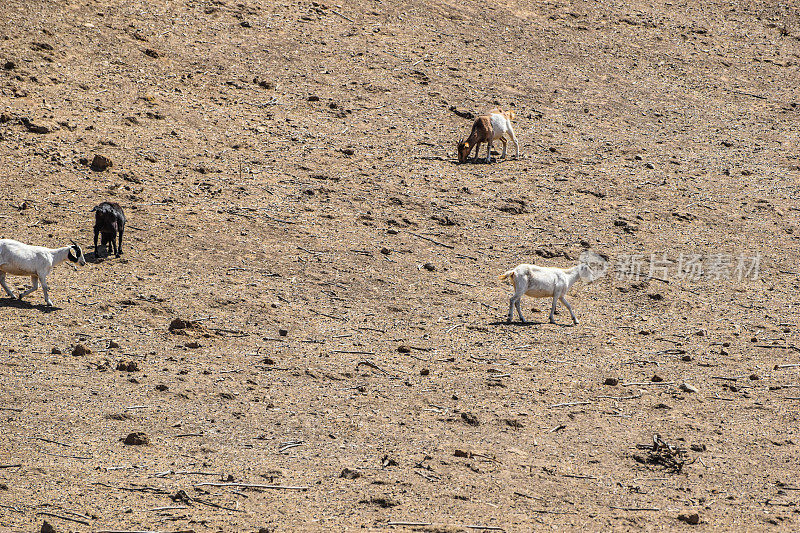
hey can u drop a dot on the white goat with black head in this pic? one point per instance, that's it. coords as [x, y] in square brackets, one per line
[20, 259]
[544, 282]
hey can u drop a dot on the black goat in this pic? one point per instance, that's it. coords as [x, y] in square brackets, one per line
[109, 221]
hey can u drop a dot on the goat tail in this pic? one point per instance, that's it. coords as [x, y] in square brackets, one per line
[507, 276]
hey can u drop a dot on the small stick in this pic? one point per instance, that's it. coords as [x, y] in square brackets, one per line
[290, 446]
[329, 316]
[576, 476]
[131, 407]
[167, 508]
[631, 384]
[345, 17]
[17, 509]
[635, 508]
[310, 251]
[787, 366]
[633, 397]
[372, 329]
[218, 506]
[84, 522]
[408, 524]
[251, 486]
[188, 435]
[67, 456]
[51, 441]
[19, 465]
[431, 240]
[728, 378]
[461, 283]
[372, 365]
[353, 351]
[568, 404]
[490, 528]
[557, 428]
[15, 409]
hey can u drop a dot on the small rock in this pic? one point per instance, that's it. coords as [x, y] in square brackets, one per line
[113, 344]
[47, 528]
[55, 351]
[193, 345]
[36, 127]
[470, 419]
[268, 361]
[10, 65]
[698, 447]
[347, 151]
[283, 332]
[656, 379]
[461, 453]
[685, 387]
[424, 372]
[613, 382]
[430, 267]
[162, 388]
[686, 358]
[151, 53]
[385, 251]
[179, 323]
[313, 98]
[754, 377]
[80, 350]
[388, 461]
[136, 439]
[180, 497]
[691, 519]
[392, 231]
[100, 163]
[349, 474]
[245, 24]
[403, 349]
[651, 166]
[128, 366]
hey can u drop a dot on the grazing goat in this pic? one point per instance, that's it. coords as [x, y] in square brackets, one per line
[487, 128]
[544, 282]
[20, 259]
[109, 221]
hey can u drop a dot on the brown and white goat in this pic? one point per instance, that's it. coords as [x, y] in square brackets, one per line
[486, 129]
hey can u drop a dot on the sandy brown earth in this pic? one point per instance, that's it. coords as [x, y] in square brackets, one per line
[288, 170]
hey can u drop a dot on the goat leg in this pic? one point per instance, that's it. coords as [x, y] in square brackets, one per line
[3, 283]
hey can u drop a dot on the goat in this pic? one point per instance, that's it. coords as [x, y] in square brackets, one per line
[20, 259]
[109, 221]
[544, 282]
[487, 128]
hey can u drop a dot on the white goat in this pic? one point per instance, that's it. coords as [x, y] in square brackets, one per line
[487, 128]
[20, 259]
[544, 282]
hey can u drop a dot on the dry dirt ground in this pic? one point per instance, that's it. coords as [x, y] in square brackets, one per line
[288, 170]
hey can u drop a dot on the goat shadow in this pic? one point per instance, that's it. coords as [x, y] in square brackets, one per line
[92, 257]
[528, 324]
[24, 304]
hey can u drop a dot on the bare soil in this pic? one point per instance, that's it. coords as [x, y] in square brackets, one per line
[289, 175]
